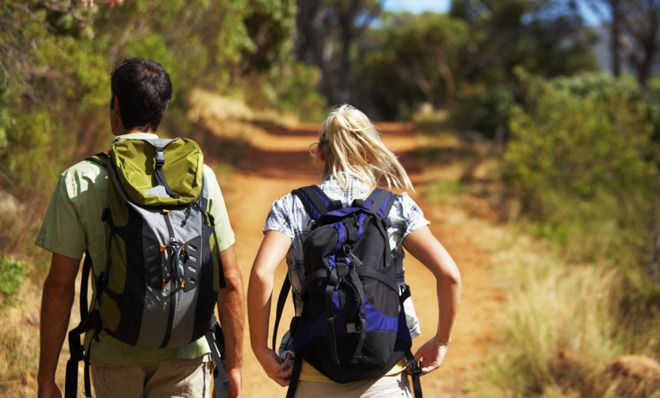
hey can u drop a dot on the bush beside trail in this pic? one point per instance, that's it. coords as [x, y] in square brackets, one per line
[582, 163]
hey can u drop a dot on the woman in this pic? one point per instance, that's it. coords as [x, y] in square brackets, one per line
[354, 161]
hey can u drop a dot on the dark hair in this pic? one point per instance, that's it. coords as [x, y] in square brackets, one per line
[143, 88]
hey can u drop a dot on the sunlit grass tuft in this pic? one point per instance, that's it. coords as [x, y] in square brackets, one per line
[562, 327]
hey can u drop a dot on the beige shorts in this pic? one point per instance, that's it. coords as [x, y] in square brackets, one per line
[395, 386]
[189, 378]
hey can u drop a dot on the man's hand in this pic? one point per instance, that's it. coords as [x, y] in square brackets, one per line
[234, 376]
[431, 355]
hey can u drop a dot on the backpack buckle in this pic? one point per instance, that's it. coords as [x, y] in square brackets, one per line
[160, 159]
[415, 367]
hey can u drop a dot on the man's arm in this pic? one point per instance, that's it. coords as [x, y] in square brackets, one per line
[56, 302]
[231, 313]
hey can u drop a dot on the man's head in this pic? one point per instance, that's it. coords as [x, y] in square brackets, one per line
[141, 90]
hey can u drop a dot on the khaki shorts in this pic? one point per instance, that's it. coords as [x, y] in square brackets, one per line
[395, 386]
[189, 378]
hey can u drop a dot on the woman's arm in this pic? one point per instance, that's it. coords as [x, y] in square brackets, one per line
[272, 251]
[426, 248]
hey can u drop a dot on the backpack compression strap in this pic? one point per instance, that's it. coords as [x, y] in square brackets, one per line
[159, 146]
[281, 300]
[415, 369]
[216, 340]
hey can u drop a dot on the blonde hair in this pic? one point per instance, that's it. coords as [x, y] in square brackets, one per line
[351, 144]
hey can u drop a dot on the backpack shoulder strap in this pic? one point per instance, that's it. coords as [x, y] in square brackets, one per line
[281, 301]
[99, 158]
[76, 348]
[316, 202]
[379, 202]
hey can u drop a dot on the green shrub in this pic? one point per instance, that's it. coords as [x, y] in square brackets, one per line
[486, 111]
[12, 275]
[581, 162]
[432, 123]
[295, 92]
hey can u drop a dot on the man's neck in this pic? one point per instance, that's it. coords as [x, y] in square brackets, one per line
[134, 131]
[139, 131]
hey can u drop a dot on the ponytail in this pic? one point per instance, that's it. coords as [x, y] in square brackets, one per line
[352, 145]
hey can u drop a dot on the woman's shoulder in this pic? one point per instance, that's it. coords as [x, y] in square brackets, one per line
[287, 201]
[403, 199]
[405, 208]
[287, 205]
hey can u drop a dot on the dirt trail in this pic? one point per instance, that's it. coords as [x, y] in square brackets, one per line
[276, 162]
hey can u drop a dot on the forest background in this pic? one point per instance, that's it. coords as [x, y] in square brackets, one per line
[567, 105]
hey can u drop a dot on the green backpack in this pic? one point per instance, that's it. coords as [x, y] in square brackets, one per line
[163, 271]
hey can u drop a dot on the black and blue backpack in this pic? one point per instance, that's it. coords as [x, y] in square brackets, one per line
[352, 326]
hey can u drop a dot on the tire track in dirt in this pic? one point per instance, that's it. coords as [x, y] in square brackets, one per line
[278, 161]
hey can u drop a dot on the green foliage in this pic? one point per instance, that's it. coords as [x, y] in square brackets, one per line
[295, 92]
[50, 78]
[482, 109]
[580, 162]
[56, 57]
[276, 79]
[546, 38]
[416, 57]
[443, 190]
[12, 275]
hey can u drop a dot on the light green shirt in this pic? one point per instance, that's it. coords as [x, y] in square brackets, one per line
[73, 224]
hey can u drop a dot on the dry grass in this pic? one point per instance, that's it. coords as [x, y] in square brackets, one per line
[19, 344]
[563, 326]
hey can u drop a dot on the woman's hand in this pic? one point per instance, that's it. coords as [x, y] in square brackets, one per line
[431, 355]
[276, 368]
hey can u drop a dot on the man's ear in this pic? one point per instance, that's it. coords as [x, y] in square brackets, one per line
[115, 105]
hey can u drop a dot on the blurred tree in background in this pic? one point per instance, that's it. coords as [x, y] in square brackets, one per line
[583, 163]
[546, 38]
[55, 59]
[408, 61]
[634, 30]
[328, 36]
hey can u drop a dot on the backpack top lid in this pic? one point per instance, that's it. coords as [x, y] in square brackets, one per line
[159, 172]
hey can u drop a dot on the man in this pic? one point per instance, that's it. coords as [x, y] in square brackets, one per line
[141, 90]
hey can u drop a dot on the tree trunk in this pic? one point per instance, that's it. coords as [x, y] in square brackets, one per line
[615, 37]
